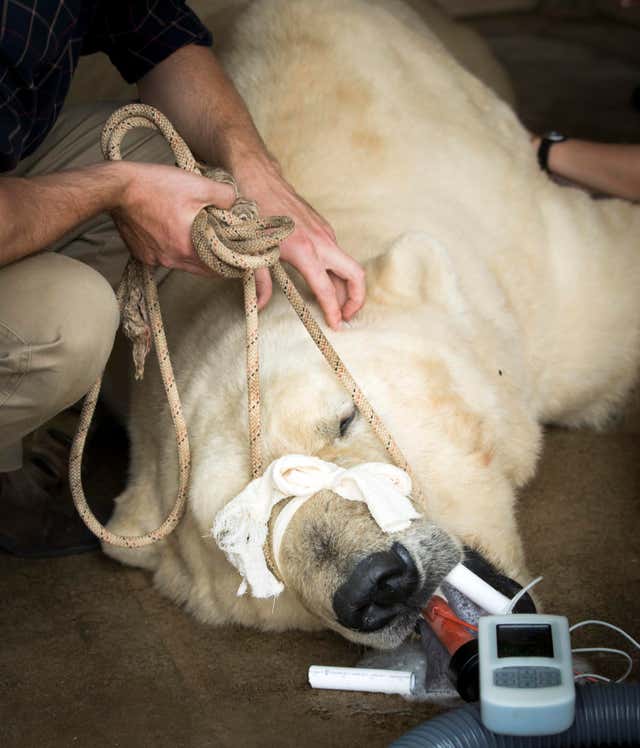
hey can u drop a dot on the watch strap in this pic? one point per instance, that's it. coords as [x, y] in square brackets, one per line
[546, 141]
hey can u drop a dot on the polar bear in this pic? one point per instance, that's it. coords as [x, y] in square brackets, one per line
[497, 302]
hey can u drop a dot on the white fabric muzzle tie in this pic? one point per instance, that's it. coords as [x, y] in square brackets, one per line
[241, 527]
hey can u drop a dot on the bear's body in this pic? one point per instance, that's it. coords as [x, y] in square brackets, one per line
[497, 300]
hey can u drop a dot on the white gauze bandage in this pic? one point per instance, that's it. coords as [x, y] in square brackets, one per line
[241, 528]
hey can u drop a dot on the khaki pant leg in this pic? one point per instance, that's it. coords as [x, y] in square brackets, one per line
[58, 320]
[56, 315]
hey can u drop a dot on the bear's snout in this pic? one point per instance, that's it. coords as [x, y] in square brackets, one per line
[377, 590]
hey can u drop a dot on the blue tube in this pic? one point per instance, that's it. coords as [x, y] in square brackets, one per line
[605, 715]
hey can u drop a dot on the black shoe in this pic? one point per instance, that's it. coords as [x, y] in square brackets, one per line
[37, 516]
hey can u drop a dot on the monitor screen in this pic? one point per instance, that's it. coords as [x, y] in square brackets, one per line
[524, 640]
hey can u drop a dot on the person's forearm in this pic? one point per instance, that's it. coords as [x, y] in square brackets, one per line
[38, 211]
[603, 167]
[193, 91]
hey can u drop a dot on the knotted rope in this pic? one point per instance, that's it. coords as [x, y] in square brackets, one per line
[234, 243]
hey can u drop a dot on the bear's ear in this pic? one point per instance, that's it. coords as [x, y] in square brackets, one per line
[417, 269]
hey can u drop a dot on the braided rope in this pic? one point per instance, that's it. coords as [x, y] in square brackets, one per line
[234, 243]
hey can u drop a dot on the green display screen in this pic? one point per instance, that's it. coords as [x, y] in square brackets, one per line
[524, 640]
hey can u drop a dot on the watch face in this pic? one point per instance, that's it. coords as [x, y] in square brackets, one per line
[555, 137]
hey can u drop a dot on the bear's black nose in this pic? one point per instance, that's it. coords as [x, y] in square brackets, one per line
[377, 590]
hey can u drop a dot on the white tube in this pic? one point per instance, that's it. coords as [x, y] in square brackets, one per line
[362, 679]
[478, 590]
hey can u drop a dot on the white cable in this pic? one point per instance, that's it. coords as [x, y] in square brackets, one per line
[520, 594]
[592, 621]
[624, 654]
[593, 675]
[595, 622]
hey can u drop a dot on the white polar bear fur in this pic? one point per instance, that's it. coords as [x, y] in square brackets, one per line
[509, 301]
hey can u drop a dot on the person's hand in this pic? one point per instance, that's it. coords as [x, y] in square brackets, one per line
[334, 277]
[156, 210]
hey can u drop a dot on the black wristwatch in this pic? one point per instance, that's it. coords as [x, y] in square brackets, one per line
[546, 141]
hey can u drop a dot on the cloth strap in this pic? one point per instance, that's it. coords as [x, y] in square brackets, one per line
[241, 527]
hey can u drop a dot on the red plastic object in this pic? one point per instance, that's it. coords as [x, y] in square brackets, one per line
[450, 630]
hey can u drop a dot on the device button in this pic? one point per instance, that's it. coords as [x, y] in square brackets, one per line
[547, 676]
[506, 677]
[526, 677]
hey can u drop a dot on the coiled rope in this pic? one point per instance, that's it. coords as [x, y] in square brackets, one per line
[234, 243]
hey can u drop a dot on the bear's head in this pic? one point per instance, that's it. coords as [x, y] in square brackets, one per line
[444, 377]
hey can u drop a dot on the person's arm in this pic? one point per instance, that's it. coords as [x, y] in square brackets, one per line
[36, 212]
[192, 90]
[610, 168]
[152, 205]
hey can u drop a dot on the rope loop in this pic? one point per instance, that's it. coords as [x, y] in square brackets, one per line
[132, 116]
[234, 243]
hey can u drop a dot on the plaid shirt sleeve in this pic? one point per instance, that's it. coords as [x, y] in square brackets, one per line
[11, 117]
[40, 41]
[138, 34]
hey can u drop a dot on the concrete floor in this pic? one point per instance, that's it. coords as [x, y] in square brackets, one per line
[91, 655]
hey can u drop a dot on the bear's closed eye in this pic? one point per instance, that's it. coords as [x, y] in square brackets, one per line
[346, 422]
